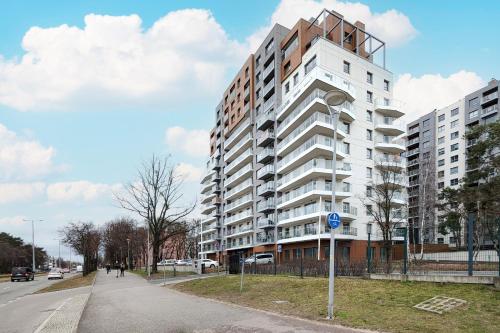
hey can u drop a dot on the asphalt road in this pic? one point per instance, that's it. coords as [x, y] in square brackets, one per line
[20, 311]
[130, 304]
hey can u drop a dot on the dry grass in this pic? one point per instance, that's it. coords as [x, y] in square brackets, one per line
[379, 305]
[73, 282]
[159, 274]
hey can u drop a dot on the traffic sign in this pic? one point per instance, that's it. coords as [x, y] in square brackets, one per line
[280, 248]
[333, 220]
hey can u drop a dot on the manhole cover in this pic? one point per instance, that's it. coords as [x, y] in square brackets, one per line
[440, 304]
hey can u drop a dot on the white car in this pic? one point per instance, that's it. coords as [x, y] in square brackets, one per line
[55, 274]
[167, 262]
[262, 258]
[209, 263]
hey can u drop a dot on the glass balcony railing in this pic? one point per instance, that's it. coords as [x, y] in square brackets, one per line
[233, 150]
[313, 186]
[266, 187]
[240, 216]
[242, 127]
[238, 160]
[319, 117]
[234, 231]
[238, 174]
[315, 163]
[238, 188]
[266, 204]
[315, 208]
[246, 198]
[269, 168]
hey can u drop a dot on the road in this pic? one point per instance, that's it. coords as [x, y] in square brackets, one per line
[130, 304]
[20, 311]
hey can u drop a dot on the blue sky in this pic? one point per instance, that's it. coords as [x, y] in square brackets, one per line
[96, 134]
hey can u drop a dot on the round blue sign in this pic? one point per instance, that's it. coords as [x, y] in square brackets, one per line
[334, 220]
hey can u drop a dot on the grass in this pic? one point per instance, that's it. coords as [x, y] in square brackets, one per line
[159, 274]
[73, 282]
[370, 304]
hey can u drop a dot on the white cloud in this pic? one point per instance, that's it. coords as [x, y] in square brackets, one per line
[423, 94]
[79, 191]
[14, 192]
[192, 142]
[391, 26]
[189, 172]
[12, 220]
[23, 158]
[113, 60]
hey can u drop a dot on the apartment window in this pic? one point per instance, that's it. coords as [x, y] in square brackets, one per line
[287, 87]
[454, 182]
[441, 117]
[310, 65]
[296, 79]
[287, 66]
[369, 77]
[369, 97]
[347, 128]
[426, 134]
[453, 170]
[427, 154]
[347, 37]
[257, 78]
[369, 172]
[454, 112]
[441, 129]
[441, 151]
[369, 135]
[386, 85]
[440, 162]
[369, 153]
[257, 94]
[454, 135]
[441, 140]
[440, 185]
[454, 123]
[426, 123]
[454, 147]
[347, 147]
[369, 209]
[347, 67]
[425, 144]
[441, 174]
[454, 159]
[369, 116]
[473, 114]
[257, 61]
[474, 103]
[369, 191]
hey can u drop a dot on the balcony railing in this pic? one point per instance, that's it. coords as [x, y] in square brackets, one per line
[268, 69]
[266, 204]
[413, 130]
[489, 97]
[313, 230]
[265, 117]
[245, 214]
[238, 160]
[313, 186]
[238, 174]
[233, 150]
[265, 170]
[319, 117]
[311, 164]
[412, 141]
[267, 152]
[246, 198]
[234, 231]
[267, 135]
[266, 187]
[315, 208]
[243, 126]
[265, 222]
[262, 238]
[238, 188]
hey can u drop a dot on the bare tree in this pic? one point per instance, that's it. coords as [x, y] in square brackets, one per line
[382, 202]
[155, 197]
[118, 238]
[85, 239]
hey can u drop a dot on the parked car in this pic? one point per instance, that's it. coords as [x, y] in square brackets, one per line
[209, 263]
[65, 270]
[22, 273]
[55, 273]
[260, 258]
[166, 262]
[184, 262]
[79, 268]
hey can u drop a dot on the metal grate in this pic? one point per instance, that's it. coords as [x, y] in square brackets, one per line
[440, 304]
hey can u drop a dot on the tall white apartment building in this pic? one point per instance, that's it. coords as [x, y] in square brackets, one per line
[274, 182]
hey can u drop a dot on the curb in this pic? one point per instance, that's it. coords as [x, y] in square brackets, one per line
[270, 313]
[75, 329]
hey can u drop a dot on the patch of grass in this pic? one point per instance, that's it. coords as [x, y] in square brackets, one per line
[73, 282]
[159, 274]
[371, 304]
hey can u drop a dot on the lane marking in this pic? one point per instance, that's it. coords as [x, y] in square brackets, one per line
[42, 326]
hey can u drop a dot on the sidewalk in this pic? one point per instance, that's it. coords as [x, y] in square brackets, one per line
[130, 304]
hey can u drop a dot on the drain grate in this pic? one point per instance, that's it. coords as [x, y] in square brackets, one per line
[440, 304]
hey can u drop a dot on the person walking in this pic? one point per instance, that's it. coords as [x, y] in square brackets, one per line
[108, 268]
[122, 270]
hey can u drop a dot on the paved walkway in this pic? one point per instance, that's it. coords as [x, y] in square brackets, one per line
[130, 304]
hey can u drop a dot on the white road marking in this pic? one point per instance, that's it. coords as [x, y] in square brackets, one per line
[40, 328]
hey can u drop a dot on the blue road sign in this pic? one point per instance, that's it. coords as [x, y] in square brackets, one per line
[279, 248]
[334, 220]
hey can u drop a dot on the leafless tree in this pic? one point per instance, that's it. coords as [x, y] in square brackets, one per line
[118, 238]
[155, 197]
[85, 239]
[381, 203]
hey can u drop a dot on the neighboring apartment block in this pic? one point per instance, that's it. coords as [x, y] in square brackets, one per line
[436, 156]
[269, 177]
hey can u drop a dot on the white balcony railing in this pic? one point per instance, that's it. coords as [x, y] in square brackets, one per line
[312, 164]
[240, 143]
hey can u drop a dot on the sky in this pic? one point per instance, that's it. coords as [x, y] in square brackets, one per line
[91, 89]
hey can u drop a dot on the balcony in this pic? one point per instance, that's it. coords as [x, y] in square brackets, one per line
[208, 178]
[268, 70]
[243, 159]
[265, 155]
[262, 238]
[489, 110]
[412, 152]
[207, 188]
[240, 217]
[265, 222]
[306, 233]
[207, 198]
[242, 202]
[390, 144]
[237, 134]
[269, 88]
[390, 108]
[239, 245]
[242, 188]
[412, 141]
[266, 205]
[267, 171]
[239, 231]
[313, 212]
[246, 93]
[239, 176]
[243, 144]
[266, 189]
[206, 209]
[398, 199]
[265, 138]
[265, 121]
[389, 126]
[489, 98]
[313, 191]
[394, 162]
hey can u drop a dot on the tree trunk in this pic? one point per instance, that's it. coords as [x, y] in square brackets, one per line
[156, 253]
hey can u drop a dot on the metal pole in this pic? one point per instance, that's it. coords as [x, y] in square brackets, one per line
[331, 282]
[242, 273]
[147, 264]
[470, 226]
[405, 253]
[70, 259]
[369, 252]
[33, 243]
[59, 259]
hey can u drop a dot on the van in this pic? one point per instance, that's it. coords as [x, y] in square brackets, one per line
[261, 258]
[79, 268]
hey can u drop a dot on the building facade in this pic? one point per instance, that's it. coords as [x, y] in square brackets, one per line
[437, 157]
[269, 177]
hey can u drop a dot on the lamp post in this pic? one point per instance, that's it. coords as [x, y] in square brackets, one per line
[369, 232]
[33, 240]
[333, 98]
[128, 253]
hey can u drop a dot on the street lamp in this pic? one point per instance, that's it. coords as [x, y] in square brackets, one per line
[33, 240]
[369, 232]
[128, 253]
[333, 98]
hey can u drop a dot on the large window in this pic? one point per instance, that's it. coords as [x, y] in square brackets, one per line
[474, 103]
[290, 46]
[454, 135]
[441, 129]
[310, 65]
[454, 147]
[441, 151]
[454, 112]
[454, 159]
[441, 140]
[454, 182]
[454, 123]
[441, 117]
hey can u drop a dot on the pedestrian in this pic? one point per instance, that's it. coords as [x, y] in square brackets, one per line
[108, 268]
[122, 270]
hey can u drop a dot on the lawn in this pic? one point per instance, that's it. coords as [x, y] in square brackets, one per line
[73, 282]
[371, 304]
[159, 275]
